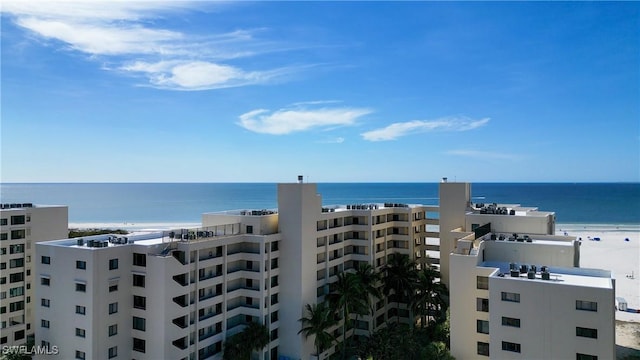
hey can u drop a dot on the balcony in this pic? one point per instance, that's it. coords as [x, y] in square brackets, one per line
[181, 343]
[181, 322]
[180, 256]
[182, 279]
[181, 300]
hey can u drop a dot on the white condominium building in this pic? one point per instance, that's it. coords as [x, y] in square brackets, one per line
[516, 291]
[180, 294]
[21, 225]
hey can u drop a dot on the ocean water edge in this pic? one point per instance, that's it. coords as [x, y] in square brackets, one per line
[609, 206]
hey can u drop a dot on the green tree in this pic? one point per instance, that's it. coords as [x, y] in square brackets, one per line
[318, 319]
[254, 337]
[431, 297]
[345, 299]
[368, 278]
[400, 278]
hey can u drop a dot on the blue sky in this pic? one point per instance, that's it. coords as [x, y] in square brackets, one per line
[338, 91]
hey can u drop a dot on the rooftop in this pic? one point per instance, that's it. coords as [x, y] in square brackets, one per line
[551, 274]
[147, 239]
[507, 209]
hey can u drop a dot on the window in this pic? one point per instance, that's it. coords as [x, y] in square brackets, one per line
[113, 329]
[274, 246]
[274, 263]
[587, 332]
[16, 291]
[274, 299]
[113, 308]
[18, 220]
[512, 297]
[4, 236]
[18, 234]
[274, 316]
[507, 321]
[113, 287]
[18, 335]
[483, 348]
[585, 357]
[586, 305]
[81, 287]
[82, 265]
[45, 323]
[482, 326]
[45, 281]
[3, 310]
[138, 280]
[139, 302]
[113, 352]
[274, 281]
[139, 259]
[482, 282]
[80, 332]
[16, 306]
[45, 302]
[139, 323]
[113, 264]
[509, 346]
[17, 277]
[249, 229]
[80, 355]
[16, 263]
[139, 345]
[80, 310]
[3, 222]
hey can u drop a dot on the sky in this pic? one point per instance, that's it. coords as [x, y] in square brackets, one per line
[336, 91]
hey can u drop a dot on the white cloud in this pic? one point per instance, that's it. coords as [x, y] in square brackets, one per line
[396, 130]
[123, 34]
[338, 140]
[480, 154]
[299, 118]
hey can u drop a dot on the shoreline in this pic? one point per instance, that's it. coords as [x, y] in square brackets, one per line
[137, 226]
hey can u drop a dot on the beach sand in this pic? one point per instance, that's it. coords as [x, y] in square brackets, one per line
[622, 257]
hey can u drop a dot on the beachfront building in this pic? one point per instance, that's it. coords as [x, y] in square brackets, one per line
[21, 225]
[180, 294]
[516, 290]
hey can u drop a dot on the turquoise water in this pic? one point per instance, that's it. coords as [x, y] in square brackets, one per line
[581, 203]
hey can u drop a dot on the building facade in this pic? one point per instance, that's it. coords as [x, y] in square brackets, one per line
[180, 294]
[517, 291]
[21, 226]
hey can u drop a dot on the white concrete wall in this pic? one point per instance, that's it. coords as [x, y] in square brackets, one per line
[299, 209]
[463, 293]
[526, 224]
[455, 198]
[548, 318]
[41, 223]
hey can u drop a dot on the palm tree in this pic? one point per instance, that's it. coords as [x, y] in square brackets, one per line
[400, 277]
[319, 319]
[346, 298]
[430, 296]
[368, 278]
[254, 337]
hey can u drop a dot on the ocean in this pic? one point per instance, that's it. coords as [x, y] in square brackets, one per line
[173, 203]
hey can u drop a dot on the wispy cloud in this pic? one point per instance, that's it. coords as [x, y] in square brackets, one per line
[299, 118]
[399, 129]
[123, 34]
[337, 140]
[480, 154]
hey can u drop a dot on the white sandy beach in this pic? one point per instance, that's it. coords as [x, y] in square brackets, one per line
[622, 257]
[613, 253]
